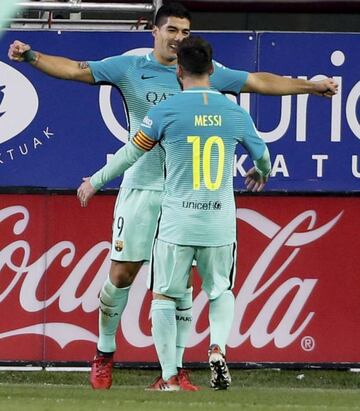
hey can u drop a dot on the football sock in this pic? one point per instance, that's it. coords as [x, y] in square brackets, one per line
[221, 315]
[112, 303]
[164, 335]
[183, 324]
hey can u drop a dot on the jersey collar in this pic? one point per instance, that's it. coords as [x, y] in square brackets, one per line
[201, 90]
[151, 57]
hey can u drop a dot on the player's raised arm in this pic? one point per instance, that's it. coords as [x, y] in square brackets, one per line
[272, 84]
[55, 66]
[233, 81]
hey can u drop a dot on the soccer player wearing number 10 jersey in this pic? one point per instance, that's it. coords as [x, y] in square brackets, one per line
[198, 130]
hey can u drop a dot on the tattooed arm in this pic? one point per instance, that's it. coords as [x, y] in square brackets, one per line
[55, 66]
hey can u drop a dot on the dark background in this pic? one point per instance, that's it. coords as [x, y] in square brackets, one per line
[277, 15]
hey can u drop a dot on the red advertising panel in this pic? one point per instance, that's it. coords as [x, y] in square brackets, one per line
[297, 286]
[22, 245]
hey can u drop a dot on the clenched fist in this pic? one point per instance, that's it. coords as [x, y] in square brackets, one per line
[17, 50]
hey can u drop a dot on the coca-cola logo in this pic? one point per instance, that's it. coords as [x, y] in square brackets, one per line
[28, 273]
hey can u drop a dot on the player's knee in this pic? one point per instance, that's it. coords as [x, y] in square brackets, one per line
[216, 294]
[176, 291]
[123, 274]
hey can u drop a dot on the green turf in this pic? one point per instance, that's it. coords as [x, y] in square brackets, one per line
[251, 390]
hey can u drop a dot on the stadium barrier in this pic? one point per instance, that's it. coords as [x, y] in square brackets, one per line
[296, 283]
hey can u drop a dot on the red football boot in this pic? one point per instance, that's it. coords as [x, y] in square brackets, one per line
[101, 372]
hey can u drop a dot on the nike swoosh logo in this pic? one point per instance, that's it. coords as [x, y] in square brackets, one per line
[143, 77]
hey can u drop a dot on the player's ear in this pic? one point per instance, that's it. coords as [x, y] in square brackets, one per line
[211, 69]
[154, 31]
[179, 71]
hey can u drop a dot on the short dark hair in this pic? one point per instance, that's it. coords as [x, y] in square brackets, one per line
[171, 10]
[195, 55]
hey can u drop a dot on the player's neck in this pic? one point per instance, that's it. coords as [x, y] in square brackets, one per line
[163, 60]
[191, 82]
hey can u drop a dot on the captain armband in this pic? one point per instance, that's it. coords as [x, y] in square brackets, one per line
[142, 141]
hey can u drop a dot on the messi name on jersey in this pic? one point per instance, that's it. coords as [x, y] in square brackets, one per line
[207, 120]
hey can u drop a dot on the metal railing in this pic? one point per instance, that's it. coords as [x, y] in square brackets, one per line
[78, 6]
[77, 14]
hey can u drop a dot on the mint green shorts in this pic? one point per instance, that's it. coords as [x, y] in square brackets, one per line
[135, 221]
[170, 266]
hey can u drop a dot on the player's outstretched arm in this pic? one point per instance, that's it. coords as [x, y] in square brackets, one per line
[122, 160]
[272, 84]
[55, 66]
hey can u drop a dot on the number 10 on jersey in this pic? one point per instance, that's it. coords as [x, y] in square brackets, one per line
[204, 158]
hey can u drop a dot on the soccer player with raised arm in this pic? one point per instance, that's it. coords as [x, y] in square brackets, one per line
[137, 206]
[198, 130]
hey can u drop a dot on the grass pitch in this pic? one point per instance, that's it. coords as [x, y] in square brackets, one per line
[251, 390]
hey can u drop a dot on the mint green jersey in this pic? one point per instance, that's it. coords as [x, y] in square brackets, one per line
[144, 83]
[198, 130]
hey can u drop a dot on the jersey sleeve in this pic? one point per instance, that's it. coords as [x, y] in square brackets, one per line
[124, 158]
[150, 130]
[255, 146]
[110, 70]
[144, 140]
[153, 123]
[228, 80]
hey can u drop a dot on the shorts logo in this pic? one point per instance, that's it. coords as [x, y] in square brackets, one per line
[18, 102]
[119, 245]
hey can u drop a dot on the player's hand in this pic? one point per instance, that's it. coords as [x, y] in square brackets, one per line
[17, 49]
[85, 191]
[325, 88]
[254, 181]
